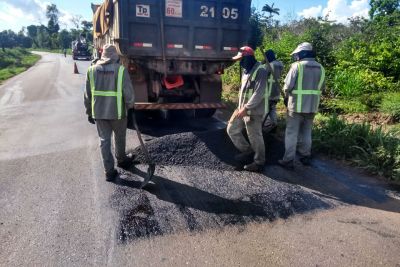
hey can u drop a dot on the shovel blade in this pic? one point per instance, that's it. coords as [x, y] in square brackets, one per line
[150, 173]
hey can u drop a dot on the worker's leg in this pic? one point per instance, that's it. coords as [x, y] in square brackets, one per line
[104, 130]
[254, 132]
[273, 116]
[119, 128]
[235, 132]
[305, 136]
[293, 122]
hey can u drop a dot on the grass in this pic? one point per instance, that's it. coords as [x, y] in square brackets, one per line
[391, 105]
[375, 150]
[14, 61]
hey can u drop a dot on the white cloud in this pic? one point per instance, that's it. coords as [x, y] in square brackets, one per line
[311, 12]
[338, 10]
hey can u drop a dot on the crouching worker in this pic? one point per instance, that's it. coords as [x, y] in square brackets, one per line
[108, 96]
[303, 87]
[253, 105]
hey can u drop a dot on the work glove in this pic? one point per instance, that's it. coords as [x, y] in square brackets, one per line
[91, 120]
[285, 101]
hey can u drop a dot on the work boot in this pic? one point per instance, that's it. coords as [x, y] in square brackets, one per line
[286, 164]
[306, 161]
[254, 167]
[245, 158]
[127, 163]
[111, 175]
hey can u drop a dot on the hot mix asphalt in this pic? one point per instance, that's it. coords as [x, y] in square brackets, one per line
[196, 188]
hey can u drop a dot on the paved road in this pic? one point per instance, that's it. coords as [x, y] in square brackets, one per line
[57, 210]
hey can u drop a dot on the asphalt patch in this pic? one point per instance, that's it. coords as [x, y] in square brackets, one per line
[156, 210]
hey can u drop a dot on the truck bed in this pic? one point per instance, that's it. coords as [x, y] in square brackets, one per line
[211, 30]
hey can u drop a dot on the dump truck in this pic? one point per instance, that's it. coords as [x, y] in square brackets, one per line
[80, 49]
[175, 50]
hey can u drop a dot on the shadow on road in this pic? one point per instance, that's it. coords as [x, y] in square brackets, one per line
[200, 209]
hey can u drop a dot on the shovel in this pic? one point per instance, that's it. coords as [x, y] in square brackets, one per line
[152, 166]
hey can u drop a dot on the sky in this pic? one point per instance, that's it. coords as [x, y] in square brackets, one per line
[14, 14]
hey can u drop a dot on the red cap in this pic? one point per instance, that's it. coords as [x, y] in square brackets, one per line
[244, 51]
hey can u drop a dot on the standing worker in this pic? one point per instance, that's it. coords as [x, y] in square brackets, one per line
[253, 104]
[108, 96]
[303, 87]
[274, 88]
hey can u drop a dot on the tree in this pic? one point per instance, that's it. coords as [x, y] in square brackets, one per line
[271, 10]
[52, 14]
[87, 30]
[64, 39]
[268, 21]
[8, 39]
[383, 7]
[76, 20]
[256, 32]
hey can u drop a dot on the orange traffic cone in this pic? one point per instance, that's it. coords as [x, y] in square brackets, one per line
[76, 68]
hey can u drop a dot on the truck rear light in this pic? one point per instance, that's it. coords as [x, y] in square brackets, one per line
[177, 46]
[203, 47]
[173, 81]
[227, 48]
[146, 45]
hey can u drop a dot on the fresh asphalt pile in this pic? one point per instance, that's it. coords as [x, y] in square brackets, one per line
[211, 150]
[208, 149]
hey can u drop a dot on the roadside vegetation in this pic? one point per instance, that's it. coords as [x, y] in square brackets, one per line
[14, 47]
[361, 104]
[15, 61]
[50, 37]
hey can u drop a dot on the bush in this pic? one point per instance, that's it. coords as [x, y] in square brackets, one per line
[391, 105]
[353, 82]
[343, 106]
[373, 149]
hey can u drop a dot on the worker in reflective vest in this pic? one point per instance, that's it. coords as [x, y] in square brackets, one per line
[108, 96]
[303, 87]
[253, 104]
[274, 88]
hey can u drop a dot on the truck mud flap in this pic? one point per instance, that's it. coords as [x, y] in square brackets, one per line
[172, 106]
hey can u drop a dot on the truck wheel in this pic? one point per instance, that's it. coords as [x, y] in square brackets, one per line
[205, 113]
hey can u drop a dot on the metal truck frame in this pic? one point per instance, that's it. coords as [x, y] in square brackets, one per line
[175, 50]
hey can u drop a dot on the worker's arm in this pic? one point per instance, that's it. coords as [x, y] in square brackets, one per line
[88, 96]
[259, 89]
[290, 80]
[129, 94]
